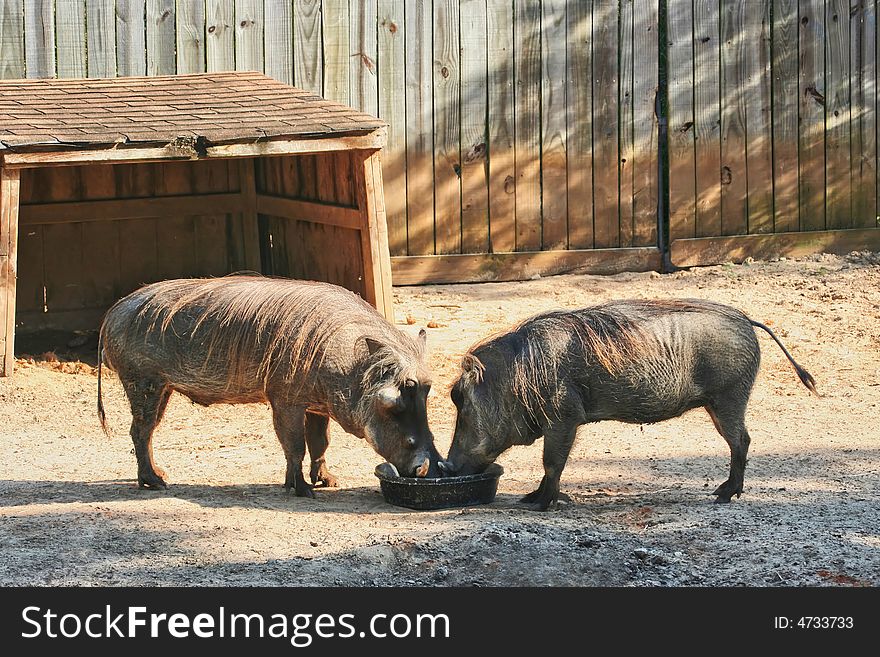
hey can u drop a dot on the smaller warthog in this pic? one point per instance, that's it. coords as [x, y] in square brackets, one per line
[633, 361]
[312, 350]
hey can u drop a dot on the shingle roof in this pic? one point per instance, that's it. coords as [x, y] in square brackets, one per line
[219, 107]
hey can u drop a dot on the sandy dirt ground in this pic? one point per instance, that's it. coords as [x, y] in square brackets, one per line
[641, 511]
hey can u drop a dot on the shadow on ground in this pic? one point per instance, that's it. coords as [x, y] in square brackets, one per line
[52, 345]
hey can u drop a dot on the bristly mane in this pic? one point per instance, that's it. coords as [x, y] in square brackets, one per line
[288, 323]
[604, 333]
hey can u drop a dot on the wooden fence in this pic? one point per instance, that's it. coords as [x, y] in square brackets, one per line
[515, 125]
[772, 124]
[523, 136]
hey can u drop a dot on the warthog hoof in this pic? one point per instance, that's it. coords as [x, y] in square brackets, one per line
[152, 480]
[542, 499]
[300, 488]
[726, 491]
[321, 474]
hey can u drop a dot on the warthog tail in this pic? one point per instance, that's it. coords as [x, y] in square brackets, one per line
[805, 377]
[101, 415]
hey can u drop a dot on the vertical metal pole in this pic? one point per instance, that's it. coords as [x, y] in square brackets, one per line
[661, 103]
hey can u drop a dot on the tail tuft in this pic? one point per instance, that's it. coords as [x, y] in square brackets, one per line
[807, 379]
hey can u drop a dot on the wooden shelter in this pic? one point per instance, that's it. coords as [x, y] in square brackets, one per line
[107, 184]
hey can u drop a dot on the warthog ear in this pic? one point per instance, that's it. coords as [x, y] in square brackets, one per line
[423, 337]
[373, 345]
[389, 398]
[473, 368]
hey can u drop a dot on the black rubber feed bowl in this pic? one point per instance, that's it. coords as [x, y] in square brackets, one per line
[447, 492]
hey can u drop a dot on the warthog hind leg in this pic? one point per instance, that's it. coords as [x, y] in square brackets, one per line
[730, 422]
[289, 424]
[148, 399]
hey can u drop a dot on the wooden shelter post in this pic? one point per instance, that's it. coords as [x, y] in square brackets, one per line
[374, 235]
[9, 193]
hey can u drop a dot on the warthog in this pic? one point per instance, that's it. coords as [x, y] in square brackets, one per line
[312, 350]
[632, 361]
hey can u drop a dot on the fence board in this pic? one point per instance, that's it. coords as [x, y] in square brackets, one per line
[39, 38]
[308, 59]
[337, 64]
[707, 117]
[12, 37]
[837, 115]
[70, 38]
[554, 133]
[419, 128]
[682, 174]
[220, 35]
[606, 124]
[645, 132]
[278, 37]
[756, 91]
[474, 180]
[863, 164]
[877, 112]
[190, 36]
[130, 37]
[249, 35]
[527, 121]
[734, 92]
[160, 37]
[625, 128]
[364, 93]
[811, 137]
[392, 109]
[579, 123]
[447, 128]
[101, 33]
[500, 108]
[785, 115]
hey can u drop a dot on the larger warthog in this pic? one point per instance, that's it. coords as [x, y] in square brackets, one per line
[632, 361]
[312, 350]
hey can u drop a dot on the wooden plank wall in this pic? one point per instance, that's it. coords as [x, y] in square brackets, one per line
[67, 269]
[300, 249]
[772, 114]
[515, 125]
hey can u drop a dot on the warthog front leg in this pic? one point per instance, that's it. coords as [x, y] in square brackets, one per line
[557, 447]
[317, 440]
[289, 424]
